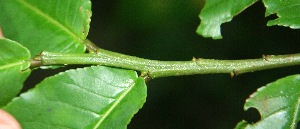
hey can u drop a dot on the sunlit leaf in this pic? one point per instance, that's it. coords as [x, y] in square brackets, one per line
[216, 12]
[93, 97]
[51, 25]
[288, 12]
[14, 69]
[278, 104]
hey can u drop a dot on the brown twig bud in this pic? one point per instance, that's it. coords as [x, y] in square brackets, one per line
[1, 34]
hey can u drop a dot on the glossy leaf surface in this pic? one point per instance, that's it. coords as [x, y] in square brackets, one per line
[14, 69]
[92, 97]
[278, 104]
[52, 25]
[216, 12]
[288, 12]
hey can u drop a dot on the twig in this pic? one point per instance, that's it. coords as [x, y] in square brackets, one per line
[156, 69]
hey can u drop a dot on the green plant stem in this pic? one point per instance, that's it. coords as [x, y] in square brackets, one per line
[156, 69]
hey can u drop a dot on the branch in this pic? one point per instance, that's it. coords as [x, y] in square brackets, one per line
[156, 69]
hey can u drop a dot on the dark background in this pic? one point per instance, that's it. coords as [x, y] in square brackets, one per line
[165, 30]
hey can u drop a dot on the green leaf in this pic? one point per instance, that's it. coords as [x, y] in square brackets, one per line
[14, 69]
[216, 12]
[92, 97]
[51, 25]
[288, 12]
[278, 104]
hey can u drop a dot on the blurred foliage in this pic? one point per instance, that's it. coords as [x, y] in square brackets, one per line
[165, 30]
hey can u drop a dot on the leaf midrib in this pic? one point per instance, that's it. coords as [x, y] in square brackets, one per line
[295, 114]
[115, 104]
[50, 19]
[12, 65]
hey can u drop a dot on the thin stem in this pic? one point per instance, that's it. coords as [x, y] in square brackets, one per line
[91, 47]
[156, 69]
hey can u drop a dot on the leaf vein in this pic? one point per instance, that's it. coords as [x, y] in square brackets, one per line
[72, 106]
[12, 65]
[121, 97]
[86, 90]
[49, 18]
[104, 81]
[295, 114]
